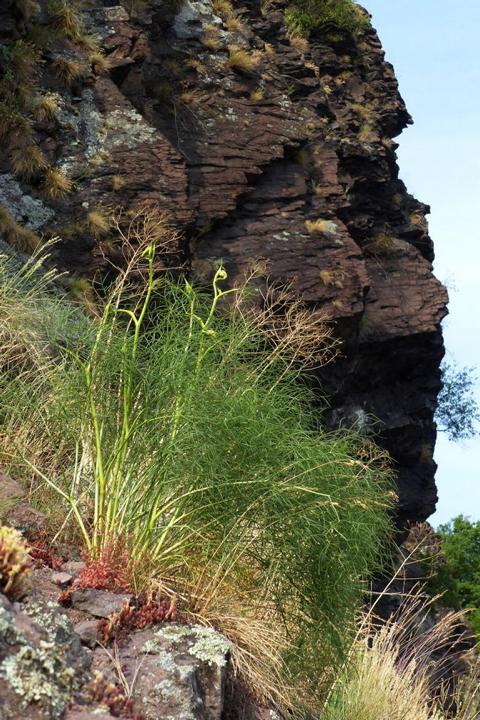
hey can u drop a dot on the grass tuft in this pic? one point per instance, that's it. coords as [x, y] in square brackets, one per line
[100, 62]
[66, 19]
[401, 670]
[15, 235]
[27, 161]
[98, 223]
[56, 184]
[47, 106]
[14, 563]
[68, 70]
[241, 60]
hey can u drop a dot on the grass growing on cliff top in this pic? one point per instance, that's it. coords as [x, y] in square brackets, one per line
[331, 18]
[173, 428]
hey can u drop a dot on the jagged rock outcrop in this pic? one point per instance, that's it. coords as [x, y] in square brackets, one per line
[285, 160]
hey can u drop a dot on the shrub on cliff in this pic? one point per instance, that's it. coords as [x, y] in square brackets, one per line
[332, 18]
[457, 577]
[173, 427]
[458, 412]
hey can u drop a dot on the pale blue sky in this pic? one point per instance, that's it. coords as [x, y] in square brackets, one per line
[434, 47]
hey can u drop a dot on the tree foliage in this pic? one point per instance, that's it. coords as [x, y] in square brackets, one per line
[458, 577]
[457, 409]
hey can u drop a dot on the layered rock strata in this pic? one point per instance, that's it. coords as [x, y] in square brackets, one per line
[263, 149]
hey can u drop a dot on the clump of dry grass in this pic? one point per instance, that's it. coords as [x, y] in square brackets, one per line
[56, 184]
[401, 669]
[381, 244]
[257, 94]
[98, 223]
[27, 161]
[241, 60]
[66, 18]
[47, 106]
[196, 65]
[222, 7]
[295, 331]
[210, 39]
[320, 227]
[234, 22]
[100, 62]
[16, 235]
[24, 61]
[118, 182]
[68, 70]
[192, 97]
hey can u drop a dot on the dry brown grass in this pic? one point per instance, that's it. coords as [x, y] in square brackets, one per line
[320, 226]
[56, 184]
[193, 96]
[234, 22]
[210, 40]
[15, 235]
[296, 332]
[47, 106]
[401, 669]
[27, 161]
[257, 94]
[299, 43]
[241, 60]
[118, 182]
[98, 223]
[196, 65]
[222, 7]
[67, 19]
[14, 563]
[100, 62]
[68, 70]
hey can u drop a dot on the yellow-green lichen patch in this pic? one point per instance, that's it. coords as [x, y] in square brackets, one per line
[38, 674]
[205, 644]
[40, 662]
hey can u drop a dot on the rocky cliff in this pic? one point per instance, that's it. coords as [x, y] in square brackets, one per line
[263, 148]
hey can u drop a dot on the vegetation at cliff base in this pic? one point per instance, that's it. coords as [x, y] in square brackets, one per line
[457, 577]
[333, 18]
[171, 432]
[400, 670]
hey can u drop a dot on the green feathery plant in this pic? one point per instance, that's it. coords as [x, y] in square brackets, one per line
[332, 18]
[171, 427]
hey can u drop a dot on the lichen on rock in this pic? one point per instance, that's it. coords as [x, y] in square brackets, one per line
[41, 661]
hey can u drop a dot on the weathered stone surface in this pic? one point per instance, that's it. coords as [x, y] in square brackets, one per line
[42, 663]
[97, 712]
[10, 492]
[100, 603]
[73, 567]
[87, 631]
[182, 671]
[62, 579]
[27, 519]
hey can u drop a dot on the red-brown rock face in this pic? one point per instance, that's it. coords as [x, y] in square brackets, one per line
[290, 163]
